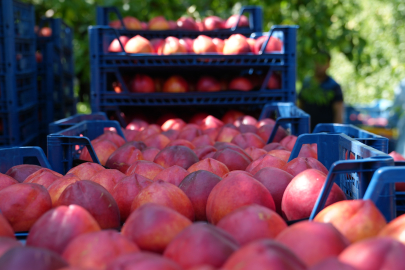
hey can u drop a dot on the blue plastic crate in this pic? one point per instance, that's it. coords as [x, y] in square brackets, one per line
[107, 68]
[361, 135]
[64, 146]
[73, 120]
[255, 23]
[14, 156]
[351, 175]
[18, 89]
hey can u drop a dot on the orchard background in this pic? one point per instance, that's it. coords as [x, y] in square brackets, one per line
[366, 37]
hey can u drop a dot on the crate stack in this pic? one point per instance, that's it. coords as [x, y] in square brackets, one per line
[55, 73]
[18, 74]
[109, 69]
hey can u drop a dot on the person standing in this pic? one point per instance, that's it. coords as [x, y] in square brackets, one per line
[321, 96]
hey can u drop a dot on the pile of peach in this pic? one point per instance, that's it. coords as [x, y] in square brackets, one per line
[205, 195]
[209, 23]
[235, 44]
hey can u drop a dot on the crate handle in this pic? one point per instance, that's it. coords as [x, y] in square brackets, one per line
[249, 9]
[272, 30]
[26, 151]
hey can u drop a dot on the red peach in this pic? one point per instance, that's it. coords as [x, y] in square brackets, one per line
[171, 134]
[113, 137]
[157, 44]
[255, 152]
[159, 141]
[212, 23]
[21, 172]
[176, 124]
[307, 151]
[6, 181]
[332, 263]
[248, 139]
[289, 142]
[182, 142]
[187, 43]
[143, 261]
[115, 44]
[233, 20]
[158, 23]
[142, 83]
[150, 153]
[202, 140]
[57, 187]
[247, 128]
[265, 131]
[186, 23]
[103, 149]
[148, 132]
[265, 161]
[7, 243]
[211, 122]
[300, 164]
[108, 178]
[274, 44]
[189, 132]
[241, 84]
[211, 165]
[237, 172]
[231, 116]
[5, 228]
[204, 44]
[172, 45]
[44, 177]
[145, 168]
[274, 146]
[245, 120]
[138, 44]
[137, 124]
[176, 155]
[198, 118]
[232, 159]
[219, 44]
[208, 84]
[175, 84]
[226, 134]
[132, 23]
[173, 175]
[86, 170]
[236, 44]
[123, 157]
[204, 152]
[281, 154]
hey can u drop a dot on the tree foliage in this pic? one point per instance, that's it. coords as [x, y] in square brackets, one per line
[366, 37]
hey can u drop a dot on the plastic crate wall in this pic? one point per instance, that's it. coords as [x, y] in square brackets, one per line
[18, 75]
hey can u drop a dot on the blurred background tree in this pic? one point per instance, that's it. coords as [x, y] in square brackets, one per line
[366, 37]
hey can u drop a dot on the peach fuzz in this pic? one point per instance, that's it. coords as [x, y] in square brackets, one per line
[108, 178]
[232, 159]
[150, 153]
[265, 161]
[176, 155]
[211, 165]
[123, 157]
[86, 170]
[57, 187]
[173, 175]
[145, 168]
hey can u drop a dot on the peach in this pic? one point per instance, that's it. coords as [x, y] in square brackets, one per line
[241, 84]
[157, 44]
[202, 140]
[374, 254]
[152, 227]
[219, 44]
[32, 259]
[300, 164]
[173, 175]
[137, 124]
[247, 128]
[132, 23]
[237, 172]
[231, 116]
[5, 228]
[108, 178]
[281, 154]
[171, 134]
[197, 186]
[265, 161]
[141, 83]
[265, 131]
[313, 242]
[95, 199]
[6, 181]
[126, 190]
[143, 261]
[166, 194]
[182, 142]
[204, 44]
[86, 170]
[396, 156]
[252, 222]
[158, 23]
[201, 243]
[248, 139]
[274, 44]
[6, 243]
[175, 84]
[21, 172]
[232, 159]
[57, 187]
[289, 142]
[131, 135]
[113, 137]
[274, 81]
[233, 20]
[225, 145]
[176, 155]
[96, 250]
[115, 44]
[148, 132]
[186, 23]
[203, 267]
[204, 152]
[43, 177]
[102, 148]
[211, 132]
[355, 219]
[307, 151]
[236, 44]
[138, 44]
[263, 254]
[394, 229]
[172, 45]
[245, 120]
[159, 141]
[150, 153]
[332, 263]
[211, 165]
[57, 227]
[169, 116]
[22, 204]
[123, 157]
[226, 134]
[234, 192]
[276, 181]
[176, 124]
[265, 121]
[145, 168]
[211, 122]
[198, 118]
[212, 23]
[302, 192]
[187, 43]
[251, 43]
[274, 146]
[190, 132]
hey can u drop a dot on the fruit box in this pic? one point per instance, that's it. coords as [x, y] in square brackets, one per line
[255, 22]
[55, 72]
[64, 146]
[351, 166]
[108, 69]
[377, 142]
[73, 120]
[18, 75]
